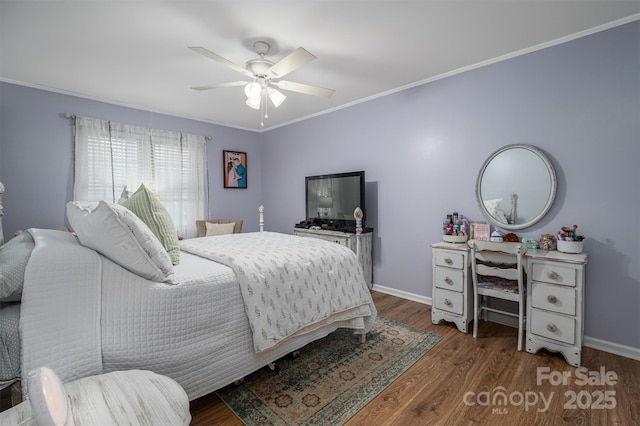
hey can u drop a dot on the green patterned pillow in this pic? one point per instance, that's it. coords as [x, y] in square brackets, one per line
[151, 211]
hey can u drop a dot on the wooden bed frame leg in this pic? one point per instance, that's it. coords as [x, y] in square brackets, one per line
[274, 367]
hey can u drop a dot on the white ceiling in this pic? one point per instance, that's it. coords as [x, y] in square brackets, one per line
[134, 53]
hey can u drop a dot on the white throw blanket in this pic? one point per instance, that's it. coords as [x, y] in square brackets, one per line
[290, 285]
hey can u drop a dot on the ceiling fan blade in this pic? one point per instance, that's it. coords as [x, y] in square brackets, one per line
[304, 88]
[216, 57]
[291, 62]
[220, 85]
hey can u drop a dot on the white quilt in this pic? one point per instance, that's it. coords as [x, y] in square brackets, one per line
[289, 284]
[60, 318]
[82, 314]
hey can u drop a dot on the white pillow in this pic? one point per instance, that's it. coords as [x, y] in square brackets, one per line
[81, 207]
[219, 228]
[501, 217]
[493, 206]
[152, 212]
[117, 233]
[124, 195]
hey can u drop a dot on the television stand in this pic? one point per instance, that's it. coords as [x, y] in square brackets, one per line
[347, 239]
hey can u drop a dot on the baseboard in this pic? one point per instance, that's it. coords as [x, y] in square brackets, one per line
[614, 348]
[402, 294]
[591, 342]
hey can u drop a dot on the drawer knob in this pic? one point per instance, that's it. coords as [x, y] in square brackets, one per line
[552, 299]
[448, 280]
[448, 302]
[552, 328]
[448, 261]
[553, 275]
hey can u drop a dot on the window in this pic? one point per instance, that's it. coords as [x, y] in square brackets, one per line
[110, 156]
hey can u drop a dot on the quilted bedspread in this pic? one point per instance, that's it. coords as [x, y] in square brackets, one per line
[290, 285]
[60, 317]
[83, 314]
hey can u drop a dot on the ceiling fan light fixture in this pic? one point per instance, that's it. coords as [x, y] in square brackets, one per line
[261, 71]
[276, 96]
[253, 90]
[253, 102]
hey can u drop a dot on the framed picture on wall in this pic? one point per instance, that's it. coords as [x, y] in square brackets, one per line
[235, 169]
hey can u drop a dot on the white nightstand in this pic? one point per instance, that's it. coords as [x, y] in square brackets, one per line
[347, 239]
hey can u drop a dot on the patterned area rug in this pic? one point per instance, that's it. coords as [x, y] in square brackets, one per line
[331, 379]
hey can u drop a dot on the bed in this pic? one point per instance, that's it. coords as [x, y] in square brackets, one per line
[9, 343]
[234, 304]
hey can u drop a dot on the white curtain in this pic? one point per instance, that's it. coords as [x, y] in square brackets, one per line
[172, 164]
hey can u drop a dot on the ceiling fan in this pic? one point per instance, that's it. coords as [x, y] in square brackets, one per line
[265, 76]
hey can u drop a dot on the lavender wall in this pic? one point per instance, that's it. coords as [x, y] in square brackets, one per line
[36, 165]
[422, 149]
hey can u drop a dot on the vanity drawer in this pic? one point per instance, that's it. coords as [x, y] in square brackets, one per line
[449, 279]
[553, 298]
[450, 301]
[553, 273]
[553, 326]
[449, 259]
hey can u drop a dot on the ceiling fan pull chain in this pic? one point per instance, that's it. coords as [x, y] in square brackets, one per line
[265, 100]
[262, 108]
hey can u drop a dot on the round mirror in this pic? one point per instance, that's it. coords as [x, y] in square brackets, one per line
[516, 186]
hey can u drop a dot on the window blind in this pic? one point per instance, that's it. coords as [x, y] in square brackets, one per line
[110, 156]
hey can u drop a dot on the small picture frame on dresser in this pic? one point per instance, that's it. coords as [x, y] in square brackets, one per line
[481, 231]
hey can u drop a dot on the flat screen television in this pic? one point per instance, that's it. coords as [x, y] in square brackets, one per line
[332, 199]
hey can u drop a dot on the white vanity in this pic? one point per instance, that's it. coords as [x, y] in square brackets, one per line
[515, 189]
[555, 296]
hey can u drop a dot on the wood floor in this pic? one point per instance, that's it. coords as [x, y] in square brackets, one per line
[458, 381]
[461, 381]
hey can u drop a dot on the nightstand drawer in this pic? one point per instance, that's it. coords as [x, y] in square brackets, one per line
[449, 279]
[553, 326]
[333, 238]
[553, 298]
[449, 259]
[450, 301]
[553, 273]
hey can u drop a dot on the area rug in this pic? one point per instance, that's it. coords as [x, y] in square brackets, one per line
[331, 379]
